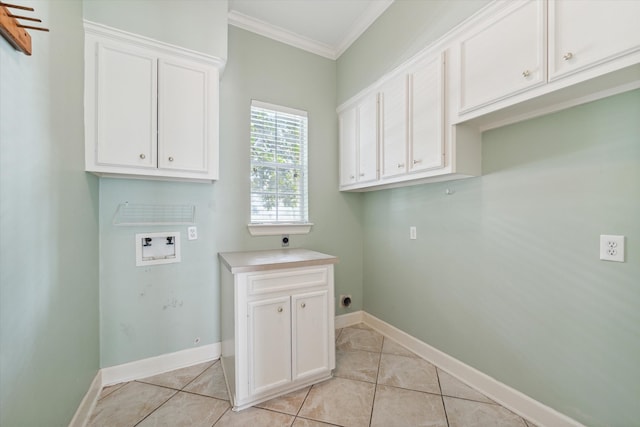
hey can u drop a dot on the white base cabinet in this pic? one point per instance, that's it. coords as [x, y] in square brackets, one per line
[277, 322]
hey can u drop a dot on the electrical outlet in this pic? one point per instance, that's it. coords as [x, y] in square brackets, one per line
[413, 233]
[192, 233]
[612, 248]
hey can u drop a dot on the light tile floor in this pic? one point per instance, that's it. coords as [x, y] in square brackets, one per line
[377, 382]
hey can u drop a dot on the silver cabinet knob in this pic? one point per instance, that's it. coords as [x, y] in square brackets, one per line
[567, 56]
[526, 73]
[352, 177]
[400, 165]
[279, 309]
[303, 305]
[362, 174]
[171, 159]
[416, 161]
[142, 156]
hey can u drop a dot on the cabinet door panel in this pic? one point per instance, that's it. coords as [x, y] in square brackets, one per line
[348, 143]
[589, 32]
[393, 117]
[505, 57]
[183, 116]
[368, 139]
[127, 107]
[310, 334]
[269, 344]
[426, 135]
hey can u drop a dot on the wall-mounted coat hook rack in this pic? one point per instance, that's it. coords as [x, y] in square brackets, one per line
[15, 32]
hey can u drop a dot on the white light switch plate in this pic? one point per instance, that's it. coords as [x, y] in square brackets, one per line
[611, 248]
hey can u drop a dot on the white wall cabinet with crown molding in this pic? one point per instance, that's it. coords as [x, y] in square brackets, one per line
[524, 58]
[151, 109]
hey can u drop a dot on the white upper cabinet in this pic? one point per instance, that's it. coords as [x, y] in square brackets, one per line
[151, 109]
[504, 55]
[584, 34]
[393, 126]
[368, 139]
[125, 132]
[348, 125]
[183, 110]
[416, 144]
[359, 142]
[426, 115]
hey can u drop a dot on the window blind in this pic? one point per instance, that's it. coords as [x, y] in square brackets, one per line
[278, 164]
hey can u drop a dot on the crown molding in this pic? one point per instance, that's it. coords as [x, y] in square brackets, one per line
[265, 29]
[374, 11]
[246, 22]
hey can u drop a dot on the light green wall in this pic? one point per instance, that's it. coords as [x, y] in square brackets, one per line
[200, 25]
[49, 340]
[155, 310]
[401, 31]
[505, 274]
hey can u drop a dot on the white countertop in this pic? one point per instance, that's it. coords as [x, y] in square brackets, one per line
[242, 262]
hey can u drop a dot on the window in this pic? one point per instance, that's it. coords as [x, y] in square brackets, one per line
[278, 165]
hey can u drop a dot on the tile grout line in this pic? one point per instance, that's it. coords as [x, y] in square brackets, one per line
[159, 406]
[444, 408]
[375, 388]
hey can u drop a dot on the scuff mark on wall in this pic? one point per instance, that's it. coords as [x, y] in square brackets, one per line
[173, 303]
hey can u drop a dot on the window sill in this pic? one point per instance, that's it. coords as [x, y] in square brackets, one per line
[278, 229]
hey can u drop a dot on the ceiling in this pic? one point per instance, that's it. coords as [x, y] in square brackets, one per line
[323, 27]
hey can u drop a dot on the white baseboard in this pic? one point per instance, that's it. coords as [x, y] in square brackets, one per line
[512, 399]
[88, 403]
[159, 364]
[344, 320]
[140, 369]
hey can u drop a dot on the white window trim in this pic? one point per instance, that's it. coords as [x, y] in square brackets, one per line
[279, 229]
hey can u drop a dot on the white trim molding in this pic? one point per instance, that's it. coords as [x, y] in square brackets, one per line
[149, 43]
[254, 25]
[278, 229]
[159, 364]
[84, 411]
[349, 319]
[512, 399]
[140, 369]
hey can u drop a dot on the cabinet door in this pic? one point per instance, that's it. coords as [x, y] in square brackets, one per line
[393, 127]
[504, 57]
[310, 333]
[183, 111]
[587, 33]
[347, 121]
[368, 139]
[126, 103]
[426, 141]
[269, 344]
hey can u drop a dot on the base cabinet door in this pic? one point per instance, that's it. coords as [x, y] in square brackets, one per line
[269, 352]
[311, 352]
